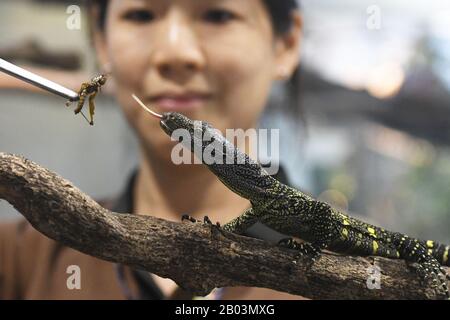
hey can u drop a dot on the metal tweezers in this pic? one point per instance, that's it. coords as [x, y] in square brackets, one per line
[37, 81]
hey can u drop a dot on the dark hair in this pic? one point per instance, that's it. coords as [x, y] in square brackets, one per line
[280, 12]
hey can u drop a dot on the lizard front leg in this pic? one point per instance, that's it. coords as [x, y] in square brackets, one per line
[238, 225]
[322, 229]
[427, 266]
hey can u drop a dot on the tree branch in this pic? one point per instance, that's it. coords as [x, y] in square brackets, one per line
[197, 257]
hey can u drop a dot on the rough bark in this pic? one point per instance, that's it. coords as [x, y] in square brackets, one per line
[198, 257]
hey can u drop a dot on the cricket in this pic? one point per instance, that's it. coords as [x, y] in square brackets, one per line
[89, 89]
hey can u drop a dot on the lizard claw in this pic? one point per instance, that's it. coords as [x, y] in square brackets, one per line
[188, 217]
[426, 266]
[215, 228]
[206, 220]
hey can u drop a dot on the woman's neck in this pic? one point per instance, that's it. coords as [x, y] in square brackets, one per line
[168, 191]
[165, 190]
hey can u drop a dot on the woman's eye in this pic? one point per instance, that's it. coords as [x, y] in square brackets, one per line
[219, 16]
[139, 16]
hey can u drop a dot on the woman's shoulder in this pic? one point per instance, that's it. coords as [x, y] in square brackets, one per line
[17, 229]
[21, 245]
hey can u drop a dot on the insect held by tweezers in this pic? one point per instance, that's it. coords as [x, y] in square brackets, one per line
[89, 89]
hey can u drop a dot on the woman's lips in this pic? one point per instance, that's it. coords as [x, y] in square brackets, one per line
[179, 103]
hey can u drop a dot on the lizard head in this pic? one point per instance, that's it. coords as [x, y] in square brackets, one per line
[171, 121]
[189, 132]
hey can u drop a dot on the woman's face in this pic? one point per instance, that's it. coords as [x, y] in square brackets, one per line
[212, 60]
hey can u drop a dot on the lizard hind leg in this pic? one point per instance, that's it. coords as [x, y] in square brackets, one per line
[427, 266]
[303, 249]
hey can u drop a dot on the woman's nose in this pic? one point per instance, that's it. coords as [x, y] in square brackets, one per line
[177, 51]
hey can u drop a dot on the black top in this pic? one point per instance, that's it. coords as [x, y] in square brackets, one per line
[148, 289]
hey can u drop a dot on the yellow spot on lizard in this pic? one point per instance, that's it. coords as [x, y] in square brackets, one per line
[374, 247]
[345, 220]
[430, 252]
[430, 244]
[345, 232]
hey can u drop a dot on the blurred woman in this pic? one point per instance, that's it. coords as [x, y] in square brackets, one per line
[211, 60]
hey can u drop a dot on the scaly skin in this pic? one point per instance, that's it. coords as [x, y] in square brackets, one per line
[293, 213]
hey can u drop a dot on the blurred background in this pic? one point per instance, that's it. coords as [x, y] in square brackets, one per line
[375, 130]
